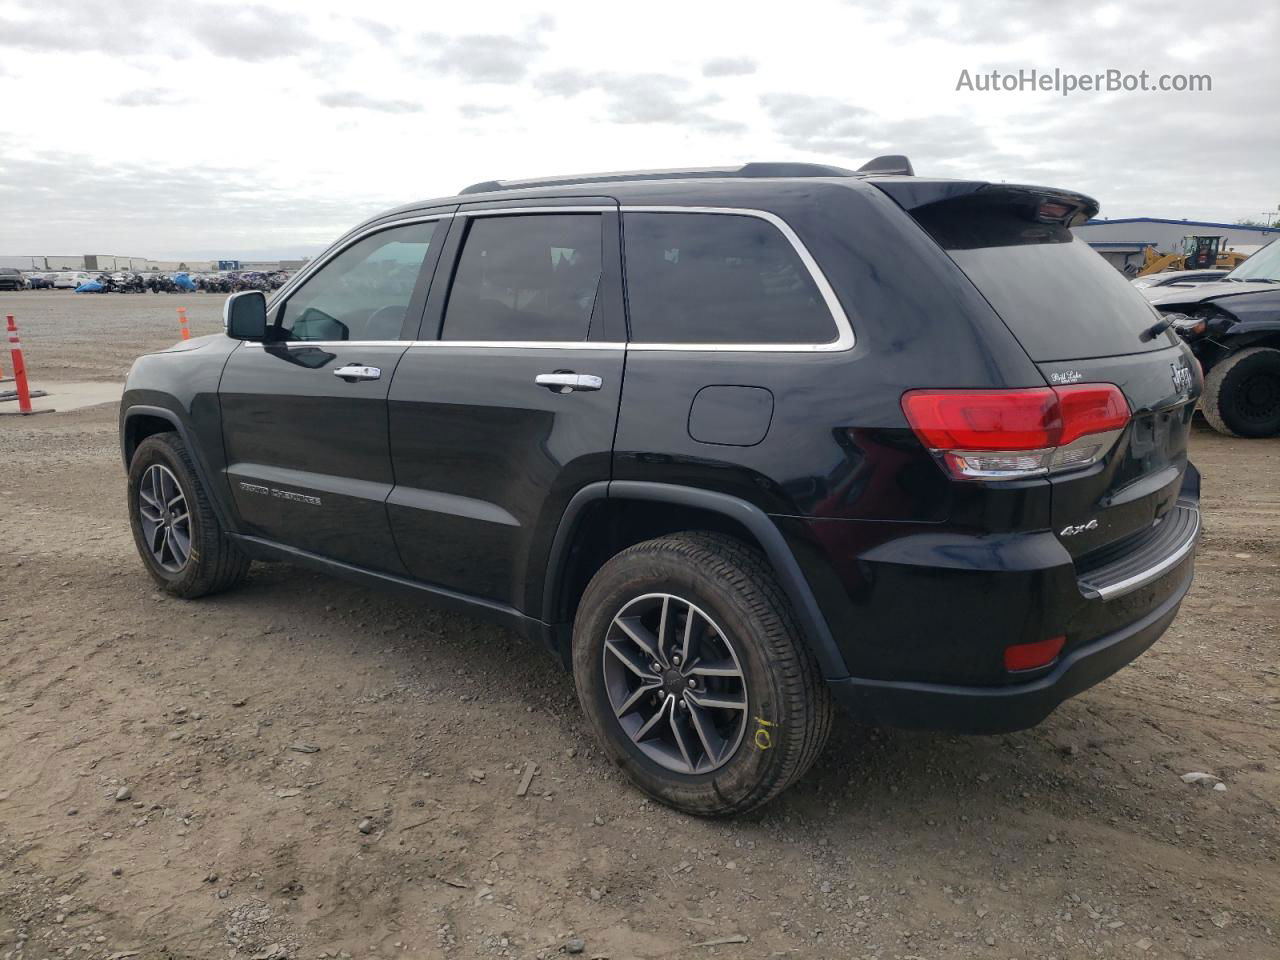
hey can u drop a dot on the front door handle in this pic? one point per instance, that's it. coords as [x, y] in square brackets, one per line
[358, 371]
[568, 382]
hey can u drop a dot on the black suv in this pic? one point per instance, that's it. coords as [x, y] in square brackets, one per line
[733, 443]
[1233, 328]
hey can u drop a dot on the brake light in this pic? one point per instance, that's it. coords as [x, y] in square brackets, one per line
[1008, 434]
[1054, 212]
[1028, 656]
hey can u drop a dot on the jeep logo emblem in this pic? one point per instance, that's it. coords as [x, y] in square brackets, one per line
[1071, 531]
[1181, 377]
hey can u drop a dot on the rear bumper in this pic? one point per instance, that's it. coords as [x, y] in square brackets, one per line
[1000, 709]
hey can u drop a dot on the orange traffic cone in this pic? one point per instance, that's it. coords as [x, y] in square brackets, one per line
[20, 372]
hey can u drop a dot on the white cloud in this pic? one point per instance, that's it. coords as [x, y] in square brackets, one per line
[729, 67]
[219, 125]
[354, 99]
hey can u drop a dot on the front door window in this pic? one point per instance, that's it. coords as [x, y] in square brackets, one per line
[364, 292]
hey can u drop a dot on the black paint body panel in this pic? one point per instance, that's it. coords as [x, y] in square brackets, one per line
[486, 461]
[733, 416]
[290, 425]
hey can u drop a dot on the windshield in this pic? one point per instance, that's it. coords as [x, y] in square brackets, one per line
[1263, 265]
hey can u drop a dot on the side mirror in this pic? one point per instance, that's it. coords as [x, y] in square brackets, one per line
[244, 316]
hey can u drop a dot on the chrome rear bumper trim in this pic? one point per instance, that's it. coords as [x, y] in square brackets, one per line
[1154, 572]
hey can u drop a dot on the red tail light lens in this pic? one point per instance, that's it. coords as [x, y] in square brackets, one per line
[1028, 656]
[983, 419]
[1090, 408]
[1006, 434]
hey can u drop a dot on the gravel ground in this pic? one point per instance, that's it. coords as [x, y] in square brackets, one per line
[303, 768]
[87, 336]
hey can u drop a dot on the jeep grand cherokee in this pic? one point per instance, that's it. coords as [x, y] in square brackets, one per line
[735, 444]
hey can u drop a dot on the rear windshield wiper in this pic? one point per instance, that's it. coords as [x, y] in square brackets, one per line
[1157, 328]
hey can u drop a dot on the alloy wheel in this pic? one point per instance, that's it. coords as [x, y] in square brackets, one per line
[675, 683]
[165, 518]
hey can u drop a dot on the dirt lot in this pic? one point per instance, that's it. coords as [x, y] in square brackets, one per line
[306, 769]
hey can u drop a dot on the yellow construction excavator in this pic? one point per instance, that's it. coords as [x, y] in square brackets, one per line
[1197, 253]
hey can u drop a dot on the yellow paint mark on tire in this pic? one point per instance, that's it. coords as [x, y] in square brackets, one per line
[763, 739]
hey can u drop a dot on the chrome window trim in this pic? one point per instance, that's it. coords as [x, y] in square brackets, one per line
[303, 275]
[844, 330]
[500, 211]
[844, 340]
[522, 344]
[329, 343]
[526, 344]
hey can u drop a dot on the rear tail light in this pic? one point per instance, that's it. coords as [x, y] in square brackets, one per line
[1010, 434]
[1028, 656]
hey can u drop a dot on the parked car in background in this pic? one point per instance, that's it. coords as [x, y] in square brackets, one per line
[1178, 276]
[899, 442]
[70, 280]
[11, 278]
[1233, 328]
[39, 281]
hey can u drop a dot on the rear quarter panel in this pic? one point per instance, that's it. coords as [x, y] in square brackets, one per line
[838, 445]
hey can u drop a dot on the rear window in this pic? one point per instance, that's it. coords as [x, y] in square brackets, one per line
[719, 278]
[1061, 299]
[526, 277]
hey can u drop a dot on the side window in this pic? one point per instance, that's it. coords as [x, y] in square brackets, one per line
[719, 278]
[530, 277]
[363, 292]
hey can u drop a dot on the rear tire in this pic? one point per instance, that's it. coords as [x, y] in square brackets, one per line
[177, 534]
[746, 648]
[1242, 394]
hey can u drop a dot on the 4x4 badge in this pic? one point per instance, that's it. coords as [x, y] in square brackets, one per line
[1071, 531]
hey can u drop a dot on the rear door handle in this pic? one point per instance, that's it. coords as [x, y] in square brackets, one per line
[568, 382]
[358, 371]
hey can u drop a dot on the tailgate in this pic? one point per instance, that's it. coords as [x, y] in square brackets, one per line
[1139, 482]
[1080, 321]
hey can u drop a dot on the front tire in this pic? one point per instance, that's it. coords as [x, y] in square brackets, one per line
[691, 670]
[177, 534]
[1242, 394]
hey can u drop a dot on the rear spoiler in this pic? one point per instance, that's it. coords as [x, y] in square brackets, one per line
[1043, 204]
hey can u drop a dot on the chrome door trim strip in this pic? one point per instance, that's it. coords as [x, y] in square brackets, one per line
[526, 344]
[330, 343]
[521, 344]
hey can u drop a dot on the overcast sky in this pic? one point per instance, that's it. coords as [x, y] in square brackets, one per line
[236, 129]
